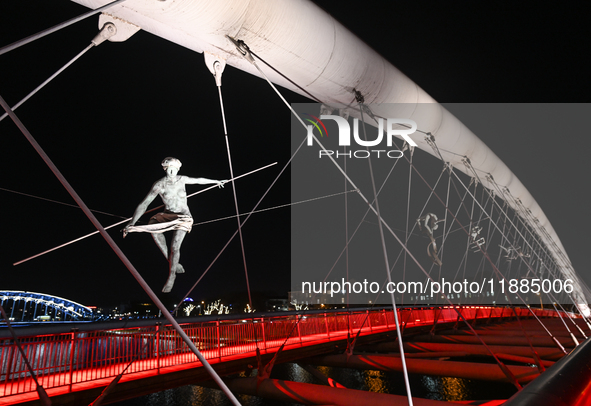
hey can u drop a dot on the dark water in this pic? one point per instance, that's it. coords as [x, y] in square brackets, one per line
[437, 388]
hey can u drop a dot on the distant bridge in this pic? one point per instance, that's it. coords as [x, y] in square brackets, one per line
[75, 365]
[30, 306]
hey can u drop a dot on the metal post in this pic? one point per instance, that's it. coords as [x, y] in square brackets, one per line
[12, 310]
[217, 329]
[158, 327]
[11, 354]
[475, 317]
[460, 314]
[369, 321]
[299, 332]
[24, 310]
[264, 338]
[435, 319]
[72, 354]
[326, 324]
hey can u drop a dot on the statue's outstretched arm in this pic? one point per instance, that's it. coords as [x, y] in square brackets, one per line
[143, 206]
[204, 181]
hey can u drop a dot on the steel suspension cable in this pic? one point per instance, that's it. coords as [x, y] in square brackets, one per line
[512, 237]
[486, 245]
[489, 236]
[286, 78]
[27, 97]
[465, 257]
[529, 228]
[441, 249]
[246, 54]
[533, 220]
[346, 225]
[502, 366]
[464, 261]
[471, 216]
[500, 255]
[499, 273]
[243, 222]
[537, 359]
[412, 232]
[43, 397]
[361, 222]
[515, 227]
[385, 253]
[129, 218]
[57, 27]
[219, 86]
[408, 193]
[572, 320]
[109, 388]
[57, 201]
[274, 207]
[243, 49]
[445, 233]
[565, 326]
[542, 231]
[470, 239]
[518, 207]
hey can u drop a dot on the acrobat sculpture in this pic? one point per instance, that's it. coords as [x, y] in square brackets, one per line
[428, 224]
[176, 216]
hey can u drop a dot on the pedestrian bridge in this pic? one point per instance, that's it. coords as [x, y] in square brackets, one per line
[74, 366]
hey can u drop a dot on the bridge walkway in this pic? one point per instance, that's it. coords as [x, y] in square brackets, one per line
[80, 364]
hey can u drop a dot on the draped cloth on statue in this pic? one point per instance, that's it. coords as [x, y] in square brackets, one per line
[163, 222]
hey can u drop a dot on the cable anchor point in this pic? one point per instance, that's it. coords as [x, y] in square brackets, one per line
[474, 180]
[407, 147]
[108, 30]
[430, 140]
[447, 166]
[360, 99]
[216, 66]
[242, 48]
[467, 163]
[344, 113]
[358, 96]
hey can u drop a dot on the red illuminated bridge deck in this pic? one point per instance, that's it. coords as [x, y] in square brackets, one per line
[78, 361]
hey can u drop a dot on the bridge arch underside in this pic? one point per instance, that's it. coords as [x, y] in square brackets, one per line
[32, 307]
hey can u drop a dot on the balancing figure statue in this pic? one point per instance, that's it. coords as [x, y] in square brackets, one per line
[176, 216]
[428, 224]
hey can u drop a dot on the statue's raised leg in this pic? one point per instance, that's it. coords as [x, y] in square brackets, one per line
[160, 241]
[169, 282]
[175, 254]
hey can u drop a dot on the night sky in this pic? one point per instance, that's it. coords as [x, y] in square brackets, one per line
[109, 120]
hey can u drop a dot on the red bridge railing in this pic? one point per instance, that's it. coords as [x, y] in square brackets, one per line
[67, 359]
